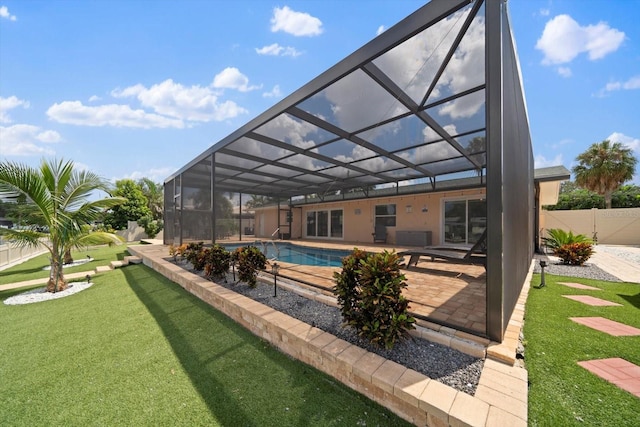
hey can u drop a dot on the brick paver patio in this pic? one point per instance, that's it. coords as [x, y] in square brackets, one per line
[617, 371]
[607, 326]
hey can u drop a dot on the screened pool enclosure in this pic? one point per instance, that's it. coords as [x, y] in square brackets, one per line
[433, 103]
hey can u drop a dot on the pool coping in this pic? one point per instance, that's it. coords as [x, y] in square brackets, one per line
[500, 399]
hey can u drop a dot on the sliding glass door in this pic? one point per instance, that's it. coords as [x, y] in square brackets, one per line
[464, 221]
[325, 223]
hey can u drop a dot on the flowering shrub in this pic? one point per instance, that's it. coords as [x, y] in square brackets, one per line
[574, 253]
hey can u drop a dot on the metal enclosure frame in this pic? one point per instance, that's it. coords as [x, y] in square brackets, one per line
[458, 118]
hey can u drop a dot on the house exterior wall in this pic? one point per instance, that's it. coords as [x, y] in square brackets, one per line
[359, 216]
[610, 226]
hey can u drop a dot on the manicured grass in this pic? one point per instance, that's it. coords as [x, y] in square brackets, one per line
[136, 349]
[33, 268]
[561, 392]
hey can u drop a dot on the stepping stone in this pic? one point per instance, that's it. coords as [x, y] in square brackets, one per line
[578, 286]
[607, 326]
[103, 269]
[617, 371]
[131, 259]
[117, 264]
[585, 299]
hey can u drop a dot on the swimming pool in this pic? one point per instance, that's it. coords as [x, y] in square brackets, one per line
[295, 254]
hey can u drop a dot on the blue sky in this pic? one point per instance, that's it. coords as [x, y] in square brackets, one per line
[133, 89]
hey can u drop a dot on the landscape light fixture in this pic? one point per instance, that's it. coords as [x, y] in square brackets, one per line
[88, 277]
[274, 270]
[543, 264]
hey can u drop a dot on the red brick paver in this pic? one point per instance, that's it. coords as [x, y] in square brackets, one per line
[585, 299]
[578, 286]
[607, 326]
[617, 371]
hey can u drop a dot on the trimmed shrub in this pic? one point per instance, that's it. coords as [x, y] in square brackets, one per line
[571, 249]
[369, 292]
[193, 254]
[249, 259]
[574, 253]
[217, 261]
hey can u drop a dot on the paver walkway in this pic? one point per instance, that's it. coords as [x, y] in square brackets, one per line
[607, 326]
[579, 286]
[617, 371]
[586, 299]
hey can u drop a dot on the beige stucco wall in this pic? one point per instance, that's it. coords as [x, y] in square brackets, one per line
[359, 216]
[613, 226]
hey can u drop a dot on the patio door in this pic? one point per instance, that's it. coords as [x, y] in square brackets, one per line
[464, 221]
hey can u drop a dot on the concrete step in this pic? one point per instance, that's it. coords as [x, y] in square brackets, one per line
[103, 268]
[133, 259]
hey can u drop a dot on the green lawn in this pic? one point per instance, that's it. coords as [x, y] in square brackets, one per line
[33, 268]
[561, 392]
[136, 349]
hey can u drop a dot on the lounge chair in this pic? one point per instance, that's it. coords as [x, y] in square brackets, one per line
[380, 234]
[476, 255]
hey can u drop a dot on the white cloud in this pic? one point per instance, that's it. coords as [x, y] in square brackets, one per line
[381, 29]
[94, 98]
[295, 23]
[627, 141]
[10, 103]
[563, 39]
[27, 140]
[275, 92]
[543, 162]
[564, 71]
[276, 50]
[631, 84]
[75, 113]
[155, 174]
[4, 13]
[195, 103]
[544, 12]
[232, 78]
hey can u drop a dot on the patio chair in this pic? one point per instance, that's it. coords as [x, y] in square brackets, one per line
[380, 234]
[476, 255]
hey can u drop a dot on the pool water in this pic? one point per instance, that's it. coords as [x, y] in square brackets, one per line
[302, 255]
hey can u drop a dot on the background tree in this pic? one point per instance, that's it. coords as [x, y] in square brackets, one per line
[154, 192]
[573, 197]
[59, 193]
[604, 167]
[133, 209]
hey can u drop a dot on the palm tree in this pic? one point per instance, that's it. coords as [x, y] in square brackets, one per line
[604, 167]
[155, 196]
[60, 195]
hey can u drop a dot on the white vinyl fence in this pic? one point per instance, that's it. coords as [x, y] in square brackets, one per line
[10, 254]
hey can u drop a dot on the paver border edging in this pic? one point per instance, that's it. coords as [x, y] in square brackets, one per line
[409, 394]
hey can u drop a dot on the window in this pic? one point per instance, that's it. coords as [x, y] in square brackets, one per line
[386, 215]
[464, 220]
[325, 223]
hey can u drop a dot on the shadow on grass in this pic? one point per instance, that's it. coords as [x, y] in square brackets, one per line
[633, 299]
[242, 379]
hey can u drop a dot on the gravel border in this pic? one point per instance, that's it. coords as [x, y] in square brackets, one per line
[439, 362]
[586, 271]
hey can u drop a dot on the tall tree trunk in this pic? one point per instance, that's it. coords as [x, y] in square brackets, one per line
[607, 199]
